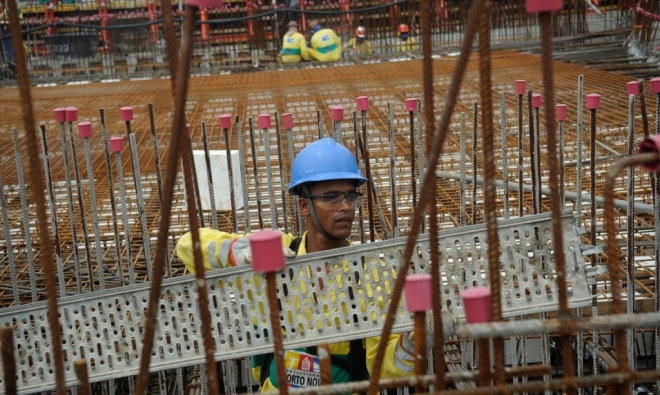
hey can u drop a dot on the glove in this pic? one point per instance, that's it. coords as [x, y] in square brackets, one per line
[241, 253]
[408, 340]
[449, 325]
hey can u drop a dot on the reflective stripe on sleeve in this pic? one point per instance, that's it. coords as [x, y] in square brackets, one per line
[212, 258]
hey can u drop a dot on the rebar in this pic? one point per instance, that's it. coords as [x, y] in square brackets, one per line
[255, 173]
[243, 167]
[8, 361]
[230, 178]
[209, 177]
[393, 196]
[10, 247]
[95, 213]
[280, 161]
[265, 134]
[124, 218]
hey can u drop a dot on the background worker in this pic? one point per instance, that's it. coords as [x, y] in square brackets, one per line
[325, 46]
[359, 43]
[406, 43]
[294, 47]
[325, 177]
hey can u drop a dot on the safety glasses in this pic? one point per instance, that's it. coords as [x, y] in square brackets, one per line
[334, 200]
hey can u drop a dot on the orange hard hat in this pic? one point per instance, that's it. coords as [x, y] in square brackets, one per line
[403, 28]
[361, 32]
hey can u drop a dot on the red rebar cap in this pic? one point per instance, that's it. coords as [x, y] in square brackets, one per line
[560, 112]
[188, 130]
[126, 114]
[362, 103]
[71, 114]
[116, 144]
[543, 5]
[337, 113]
[476, 303]
[521, 86]
[85, 129]
[593, 101]
[60, 115]
[287, 120]
[205, 3]
[225, 121]
[655, 85]
[633, 88]
[411, 104]
[266, 246]
[264, 121]
[536, 100]
[650, 144]
[418, 292]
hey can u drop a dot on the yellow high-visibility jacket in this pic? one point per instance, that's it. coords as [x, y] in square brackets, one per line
[217, 252]
[361, 48]
[406, 46]
[294, 48]
[325, 46]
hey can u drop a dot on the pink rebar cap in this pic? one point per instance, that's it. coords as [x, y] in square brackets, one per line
[418, 292]
[60, 115]
[476, 302]
[655, 85]
[71, 114]
[225, 121]
[650, 144]
[267, 253]
[85, 129]
[544, 5]
[116, 144]
[337, 113]
[560, 112]
[411, 104]
[264, 121]
[126, 114]
[536, 100]
[287, 120]
[205, 3]
[362, 103]
[188, 130]
[521, 86]
[593, 101]
[633, 88]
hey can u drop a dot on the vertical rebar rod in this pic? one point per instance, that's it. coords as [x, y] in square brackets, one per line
[555, 198]
[395, 210]
[356, 136]
[53, 219]
[230, 174]
[630, 231]
[8, 245]
[490, 193]
[8, 361]
[321, 126]
[367, 174]
[195, 184]
[124, 218]
[280, 162]
[325, 364]
[95, 212]
[80, 367]
[532, 149]
[642, 106]
[521, 155]
[413, 179]
[428, 189]
[475, 162]
[420, 151]
[273, 302]
[209, 175]
[656, 181]
[154, 144]
[505, 165]
[291, 153]
[29, 251]
[137, 181]
[255, 173]
[562, 165]
[578, 151]
[38, 186]
[536, 164]
[113, 207]
[462, 169]
[243, 167]
[336, 127]
[419, 332]
[265, 135]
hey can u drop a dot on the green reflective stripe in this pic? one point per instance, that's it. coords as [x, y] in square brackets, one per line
[328, 49]
[290, 51]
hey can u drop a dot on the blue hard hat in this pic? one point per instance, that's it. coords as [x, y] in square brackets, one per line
[324, 160]
[316, 29]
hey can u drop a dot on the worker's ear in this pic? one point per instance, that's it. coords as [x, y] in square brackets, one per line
[303, 203]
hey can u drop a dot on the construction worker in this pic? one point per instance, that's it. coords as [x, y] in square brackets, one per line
[359, 44]
[294, 47]
[406, 43]
[325, 46]
[326, 179]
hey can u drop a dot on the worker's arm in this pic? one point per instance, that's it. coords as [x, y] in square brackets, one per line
[349, 44]
[220, 249]
[397, 362]
[304, 51]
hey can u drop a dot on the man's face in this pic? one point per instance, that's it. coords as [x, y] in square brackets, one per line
[337, 222]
